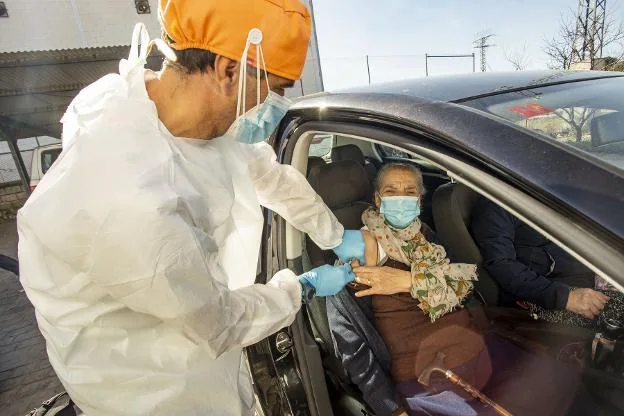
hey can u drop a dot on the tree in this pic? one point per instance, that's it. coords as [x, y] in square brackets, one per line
[518, 59]
[577, 118]
[560, 47]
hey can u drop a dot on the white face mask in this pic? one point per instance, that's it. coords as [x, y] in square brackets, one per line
[257, 124]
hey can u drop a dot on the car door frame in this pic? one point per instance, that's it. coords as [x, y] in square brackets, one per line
[429, 144]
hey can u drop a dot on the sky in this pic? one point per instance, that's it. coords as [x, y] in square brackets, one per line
[396, 34]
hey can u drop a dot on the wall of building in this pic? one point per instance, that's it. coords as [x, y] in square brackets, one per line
[66, 24]
[12, 197]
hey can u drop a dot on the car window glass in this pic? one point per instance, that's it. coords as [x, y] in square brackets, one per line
[321, 145]
[48, 157]
[390, 153]
[586, 115]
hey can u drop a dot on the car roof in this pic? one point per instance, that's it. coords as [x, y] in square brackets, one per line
[460, 87]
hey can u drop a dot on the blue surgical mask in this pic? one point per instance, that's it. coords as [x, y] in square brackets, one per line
[257, 124]
[400, 211]
[260, 122]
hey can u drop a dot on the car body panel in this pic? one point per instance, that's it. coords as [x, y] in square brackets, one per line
[457, 88]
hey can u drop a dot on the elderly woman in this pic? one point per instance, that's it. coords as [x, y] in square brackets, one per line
[409, 306]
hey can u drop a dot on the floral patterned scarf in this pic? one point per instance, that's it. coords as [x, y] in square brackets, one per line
[439, 285]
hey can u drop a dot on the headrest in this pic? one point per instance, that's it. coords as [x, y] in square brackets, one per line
[607, 128]
[315, 161]
[347, 152]
[466, 199]
[458, 199]
[453, 204]
[340, 183]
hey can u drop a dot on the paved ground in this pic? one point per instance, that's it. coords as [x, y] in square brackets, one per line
[26, 377]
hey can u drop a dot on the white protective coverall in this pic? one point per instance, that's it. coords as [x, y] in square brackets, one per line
[139, 252]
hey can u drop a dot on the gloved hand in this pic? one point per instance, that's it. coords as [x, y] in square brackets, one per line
[352, 247]
[328, 280]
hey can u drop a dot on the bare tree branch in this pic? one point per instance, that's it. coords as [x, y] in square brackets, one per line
[559, 48]
[519, 60]
[613, 32]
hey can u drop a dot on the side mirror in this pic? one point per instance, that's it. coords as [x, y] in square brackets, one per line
[607, 129]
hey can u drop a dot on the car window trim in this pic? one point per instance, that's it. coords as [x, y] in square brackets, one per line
[529, 87]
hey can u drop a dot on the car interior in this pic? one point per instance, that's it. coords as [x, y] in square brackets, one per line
[342, 169]
[344, 178]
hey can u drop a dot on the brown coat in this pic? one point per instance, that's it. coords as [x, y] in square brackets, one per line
[413, 341]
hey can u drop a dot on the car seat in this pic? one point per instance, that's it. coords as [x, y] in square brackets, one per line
[606, 129]
[453, 204]
[343, 186]
[353, 152]
[313, 162]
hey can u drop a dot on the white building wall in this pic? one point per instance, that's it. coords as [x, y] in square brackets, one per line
[67, 24]
[311, 80]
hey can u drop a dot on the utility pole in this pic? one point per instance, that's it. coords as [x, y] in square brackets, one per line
[589, 31]
[481, 43]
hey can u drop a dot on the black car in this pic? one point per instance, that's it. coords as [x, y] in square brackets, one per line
[546, 146]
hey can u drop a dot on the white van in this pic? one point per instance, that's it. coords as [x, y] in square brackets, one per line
[43, 158]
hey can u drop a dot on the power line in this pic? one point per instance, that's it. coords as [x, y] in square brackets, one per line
[589, 31]
[481, 44]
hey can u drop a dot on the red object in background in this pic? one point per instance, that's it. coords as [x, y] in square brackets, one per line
[530, 110]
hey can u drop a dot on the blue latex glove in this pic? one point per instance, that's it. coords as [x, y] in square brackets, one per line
[328, 280]
[352, 247]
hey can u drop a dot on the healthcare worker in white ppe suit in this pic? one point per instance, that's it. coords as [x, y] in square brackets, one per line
[139, 247]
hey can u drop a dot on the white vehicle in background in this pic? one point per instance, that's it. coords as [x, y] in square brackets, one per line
[43, 158]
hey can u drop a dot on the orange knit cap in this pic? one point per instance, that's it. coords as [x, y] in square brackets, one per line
[222, 26]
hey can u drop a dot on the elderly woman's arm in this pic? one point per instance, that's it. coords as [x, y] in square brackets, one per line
[370, 249]
[381, 280]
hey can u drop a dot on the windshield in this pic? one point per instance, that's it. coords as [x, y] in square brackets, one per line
[587, 115]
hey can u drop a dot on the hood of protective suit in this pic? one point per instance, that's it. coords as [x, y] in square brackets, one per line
[139, 251]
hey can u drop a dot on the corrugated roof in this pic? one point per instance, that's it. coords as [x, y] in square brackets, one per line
[36, 87]
[59, 56]
[52, 77]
